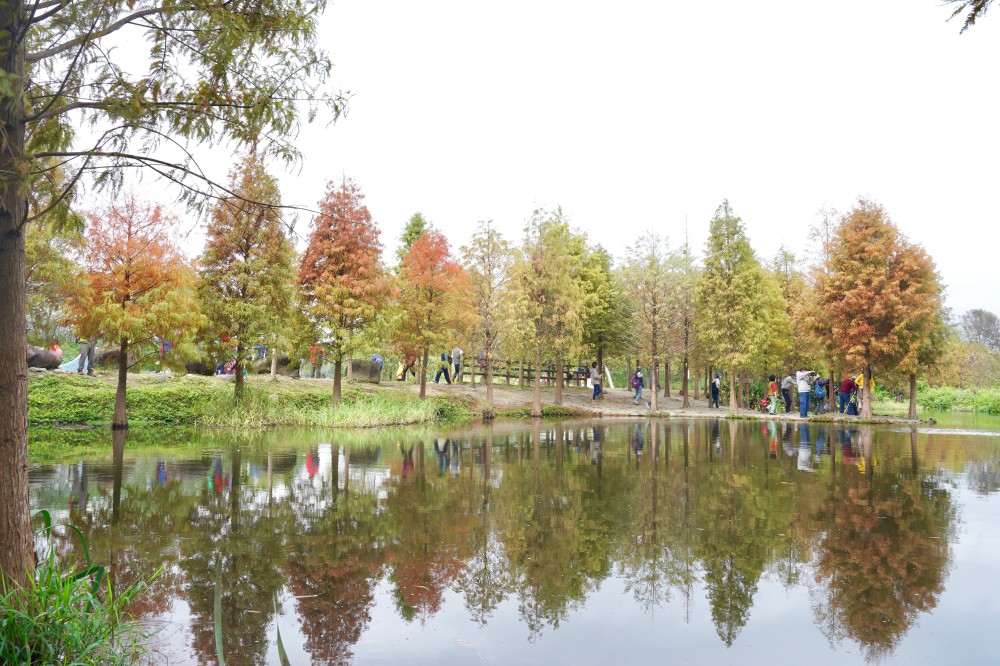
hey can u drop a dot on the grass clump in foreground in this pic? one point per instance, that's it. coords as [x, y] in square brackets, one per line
[62, 399]
[69, 617]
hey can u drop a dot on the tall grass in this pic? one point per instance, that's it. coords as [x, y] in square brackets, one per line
[258, 408]
[64, 616]
[210, 401]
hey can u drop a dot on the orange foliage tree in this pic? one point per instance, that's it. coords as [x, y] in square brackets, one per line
[341, 279]
[136, 291]
[433, 298]
[874, 292]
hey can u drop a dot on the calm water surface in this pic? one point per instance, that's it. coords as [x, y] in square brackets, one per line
[580, 542]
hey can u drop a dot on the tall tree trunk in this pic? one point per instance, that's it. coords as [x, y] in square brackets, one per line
[654, 404]
[685, 385]
[489, 386]
[732, 391]
[238, 383]
[17, 545]
[520, 373]
[338, 365]
[913, 396]
[666, 378]
[561, 377]
[600, 365]
[831, 389]
[120, 419]
[708, 386]
[274, 360]
[866, 392]
[536, 404]
[423, 375]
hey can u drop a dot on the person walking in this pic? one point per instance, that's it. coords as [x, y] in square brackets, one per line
[847, 386]
[803, 379]
[638, 384]
[772, 395]
[786, 391]
[456, 359]
[88, 348]
[595, 379]
[443, 369]
[716, 389]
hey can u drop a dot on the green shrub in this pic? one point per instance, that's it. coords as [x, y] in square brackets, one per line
[942, 399]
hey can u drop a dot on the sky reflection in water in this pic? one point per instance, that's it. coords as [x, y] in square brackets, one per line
[592, 542]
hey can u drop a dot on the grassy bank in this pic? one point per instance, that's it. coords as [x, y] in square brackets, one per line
[72, 399]
[946, 399]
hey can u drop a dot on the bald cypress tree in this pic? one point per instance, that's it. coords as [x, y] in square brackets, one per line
[246, 268]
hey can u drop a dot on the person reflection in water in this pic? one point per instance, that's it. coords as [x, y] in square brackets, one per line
[407, 460]
[637, 442]
[805, 449]
[595, 446]
[456, 451]
[442, 456]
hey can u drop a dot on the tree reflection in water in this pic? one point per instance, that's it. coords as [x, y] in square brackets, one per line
[512, 518]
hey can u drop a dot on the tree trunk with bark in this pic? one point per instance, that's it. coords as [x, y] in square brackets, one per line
[17, 547]
[708, 386]
[685, 385]
[560, 379]
[866, 393]
[238, 377]
[654, 404]
[423, 375]
[536, 404]
[120, 418]
[338, 365]
[913, 396]
[274, 362]
[488, 413]
[600, 366]
[666, 378]
[831, 390]
[733, 408]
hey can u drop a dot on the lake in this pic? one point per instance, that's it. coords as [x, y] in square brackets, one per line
[578, 542]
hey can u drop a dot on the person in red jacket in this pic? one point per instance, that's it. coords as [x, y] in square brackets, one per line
[847, 387]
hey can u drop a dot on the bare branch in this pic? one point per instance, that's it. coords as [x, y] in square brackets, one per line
[69, 72]
[57, 6]
[114, 27]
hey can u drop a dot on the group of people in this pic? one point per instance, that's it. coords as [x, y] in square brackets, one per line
[637, 381]
[449, 361]
[812, 389]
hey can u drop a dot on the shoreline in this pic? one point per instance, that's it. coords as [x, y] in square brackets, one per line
[66, 400]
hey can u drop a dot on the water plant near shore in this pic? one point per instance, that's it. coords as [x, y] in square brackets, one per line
[67, 616]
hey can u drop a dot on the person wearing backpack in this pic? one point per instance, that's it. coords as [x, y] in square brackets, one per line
[716, 389]
[443, 369]
[819, 393]
[638, 384]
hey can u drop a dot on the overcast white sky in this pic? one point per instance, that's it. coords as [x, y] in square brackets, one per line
[637, 115]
